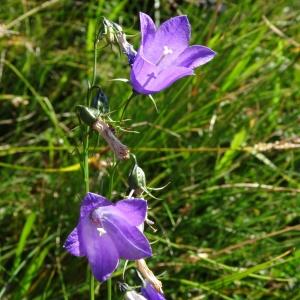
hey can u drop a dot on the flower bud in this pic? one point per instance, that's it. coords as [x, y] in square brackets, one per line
[87, 115]
[137, 179]
[110, 36]
[113, 33]
[126, 47]
[100, 102]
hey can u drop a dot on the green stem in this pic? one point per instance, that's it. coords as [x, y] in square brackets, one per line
[92, 286]
[86, 157]
[87, 188]
[111, 182]
[86, 160]
[109, 289]
[85, 166]
[132, 95]
[95, 64]
[111, 179]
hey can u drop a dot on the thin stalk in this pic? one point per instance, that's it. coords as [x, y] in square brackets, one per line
[95, 64]
[87, 188]
[109, 289]
[132, 95]
[86, 161]
[111, 179]
[109, 281]
[92, 286]
[111, 182]
[85, 167]
[86, 156]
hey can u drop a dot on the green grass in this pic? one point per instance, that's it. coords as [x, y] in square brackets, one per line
[228, 222]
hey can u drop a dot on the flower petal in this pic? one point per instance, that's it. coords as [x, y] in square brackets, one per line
[100, 250]
[132, 210]
[194, 56]
[129, 241]
[174, 34]
[148, 30]
[133, 295]
[146, 78]
[90, 202]
[151, 293]
[72, 244]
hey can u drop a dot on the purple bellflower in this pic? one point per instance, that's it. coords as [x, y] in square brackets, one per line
[108, 231]
[164, 55]
[150, 293]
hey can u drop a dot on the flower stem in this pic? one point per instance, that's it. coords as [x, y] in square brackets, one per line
[109, 289]
[132, 95]
[86, 160]
[85, 167]
[95, 64]
[111, 182]
[92, 286]
[86, 156]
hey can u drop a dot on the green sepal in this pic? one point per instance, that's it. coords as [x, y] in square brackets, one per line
[137, 179]
[137, 182]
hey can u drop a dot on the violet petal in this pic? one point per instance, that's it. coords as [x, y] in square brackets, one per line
[173, 34]
[194, 56]
[146, 80]
[132, 210]
[129, 241]
[148, 30]
[100, 250]
[150, 293]
[72, 244]
[90, 202]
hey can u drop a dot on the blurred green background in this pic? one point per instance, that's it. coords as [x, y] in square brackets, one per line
[227, 140]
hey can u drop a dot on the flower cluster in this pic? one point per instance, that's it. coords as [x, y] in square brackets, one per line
[107, 232]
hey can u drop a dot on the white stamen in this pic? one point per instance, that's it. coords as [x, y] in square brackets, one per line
[167, 51]
[101, 231]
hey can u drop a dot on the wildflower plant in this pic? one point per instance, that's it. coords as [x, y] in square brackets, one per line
[110, 231]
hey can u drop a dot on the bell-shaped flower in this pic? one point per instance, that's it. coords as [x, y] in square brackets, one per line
[109, 231]
[164, 55]
[150, 293]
